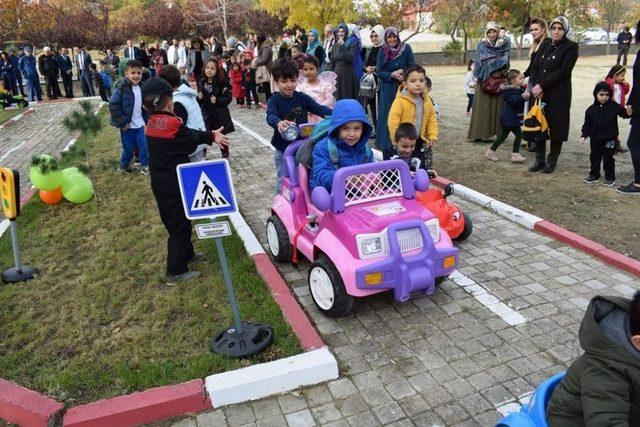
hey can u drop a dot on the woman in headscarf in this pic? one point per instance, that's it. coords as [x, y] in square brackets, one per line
[551, 81]
[314, 47]
[369, 58]
[492, 62]
[342, 54]
[538, 30]
[393, 58]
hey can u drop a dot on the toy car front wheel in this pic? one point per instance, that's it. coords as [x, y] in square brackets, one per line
[327, 289]
[23, 104]
[278, 239]
[468, 228]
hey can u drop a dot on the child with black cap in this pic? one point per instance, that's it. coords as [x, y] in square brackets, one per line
[170, 142]
[601, 126]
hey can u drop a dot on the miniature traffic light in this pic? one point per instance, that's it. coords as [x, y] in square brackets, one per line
[10, 192]
[10, 199]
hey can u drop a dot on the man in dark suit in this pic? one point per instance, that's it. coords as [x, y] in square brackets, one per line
[112, 59]
[66, 71]
[48, 67]
[132, 52]
[83, 61]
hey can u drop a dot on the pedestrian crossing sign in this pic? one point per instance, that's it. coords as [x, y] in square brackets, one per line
[206, 189]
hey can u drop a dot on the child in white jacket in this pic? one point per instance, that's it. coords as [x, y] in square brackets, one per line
[470, 85]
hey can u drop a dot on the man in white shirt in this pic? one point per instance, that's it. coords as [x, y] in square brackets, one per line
[328, 42]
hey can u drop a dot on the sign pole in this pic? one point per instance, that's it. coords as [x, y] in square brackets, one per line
[206, 189]
[227, 281]
[9, 198]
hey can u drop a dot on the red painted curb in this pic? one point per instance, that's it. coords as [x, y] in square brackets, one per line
[26, 407]
[297, 318]
[143, 407]
[569, 237]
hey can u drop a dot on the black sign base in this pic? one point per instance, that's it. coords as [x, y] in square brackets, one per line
[14, 275]
[254, 338]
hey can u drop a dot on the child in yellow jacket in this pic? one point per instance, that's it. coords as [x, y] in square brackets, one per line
[413, 105]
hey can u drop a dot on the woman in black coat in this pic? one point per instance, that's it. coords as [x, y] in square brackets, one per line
[551, 81]
[342, 54]
[633, 109]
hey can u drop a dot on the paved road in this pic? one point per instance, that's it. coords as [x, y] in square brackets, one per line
[40, 132]
[453, 358]
[445, 359]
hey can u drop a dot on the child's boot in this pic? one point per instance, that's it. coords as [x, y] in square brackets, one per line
[491, 155]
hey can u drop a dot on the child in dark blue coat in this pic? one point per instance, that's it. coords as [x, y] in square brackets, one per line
[347, 143]
[511, 117]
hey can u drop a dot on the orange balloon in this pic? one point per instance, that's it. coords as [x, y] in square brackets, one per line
[51, 197]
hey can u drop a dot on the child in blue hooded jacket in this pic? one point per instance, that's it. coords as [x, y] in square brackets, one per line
[347, 143]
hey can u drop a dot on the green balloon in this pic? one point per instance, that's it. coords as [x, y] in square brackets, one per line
[47, 182]
[77, 188]
[71, 171]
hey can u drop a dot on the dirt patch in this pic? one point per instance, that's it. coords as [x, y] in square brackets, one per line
[594, 211]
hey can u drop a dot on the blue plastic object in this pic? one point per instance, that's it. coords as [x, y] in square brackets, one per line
[534, 414]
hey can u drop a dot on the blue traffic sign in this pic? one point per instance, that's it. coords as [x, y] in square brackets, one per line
[206, 189]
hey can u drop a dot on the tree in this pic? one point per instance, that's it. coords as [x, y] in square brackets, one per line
[17, 14]
[611, 13]
[467, 16]
[215, 12]
[159, 21]
[313, 14]
[262, 22]
[402, 14]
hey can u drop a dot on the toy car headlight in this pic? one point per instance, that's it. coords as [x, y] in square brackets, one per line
[290, 133]
[433, 225]
[371, 245]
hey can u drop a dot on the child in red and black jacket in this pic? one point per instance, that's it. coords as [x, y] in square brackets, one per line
[620, 88]
[249, 83]
[170, 142]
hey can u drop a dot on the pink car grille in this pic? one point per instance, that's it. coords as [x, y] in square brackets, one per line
[366, 187]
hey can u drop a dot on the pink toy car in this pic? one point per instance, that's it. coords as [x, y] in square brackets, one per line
[369, 235]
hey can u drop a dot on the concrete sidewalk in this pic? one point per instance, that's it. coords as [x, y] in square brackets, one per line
[445, 359]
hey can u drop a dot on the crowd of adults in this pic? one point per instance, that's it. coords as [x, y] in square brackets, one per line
[552, 57]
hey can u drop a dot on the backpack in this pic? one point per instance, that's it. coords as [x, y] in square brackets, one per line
[535, 127]
[368, 86]
[304, 155]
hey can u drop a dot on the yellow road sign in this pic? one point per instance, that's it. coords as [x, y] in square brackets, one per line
[10, 192]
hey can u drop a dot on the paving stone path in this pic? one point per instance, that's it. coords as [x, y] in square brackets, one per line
[444, 359]
[40, 132]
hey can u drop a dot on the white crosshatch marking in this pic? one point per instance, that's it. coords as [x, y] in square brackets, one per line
[207, 195]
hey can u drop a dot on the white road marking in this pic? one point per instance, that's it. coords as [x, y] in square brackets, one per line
[513, 405]
[254, 134]
[482, 295]
[17, 147]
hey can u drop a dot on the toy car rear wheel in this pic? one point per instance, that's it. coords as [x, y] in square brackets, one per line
[23, 104]
[441, 279]
[278, 239]
[467, 230]
[327, 289]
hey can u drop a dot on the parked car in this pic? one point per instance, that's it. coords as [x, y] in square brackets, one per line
[594, 35]
[368, 235]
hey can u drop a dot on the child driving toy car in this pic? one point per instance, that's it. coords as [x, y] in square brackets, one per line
[602, 387]
[347, 143]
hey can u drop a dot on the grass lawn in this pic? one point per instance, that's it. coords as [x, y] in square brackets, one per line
[8, 114]
[99, 321]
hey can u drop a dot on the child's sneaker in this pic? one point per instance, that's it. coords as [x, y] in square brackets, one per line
[591, 179]
[517, 158]
[197, 257]
[491, 155]
[177, 278]
[609, 182]
[127, 171]
[144, 170]
[629, 189]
